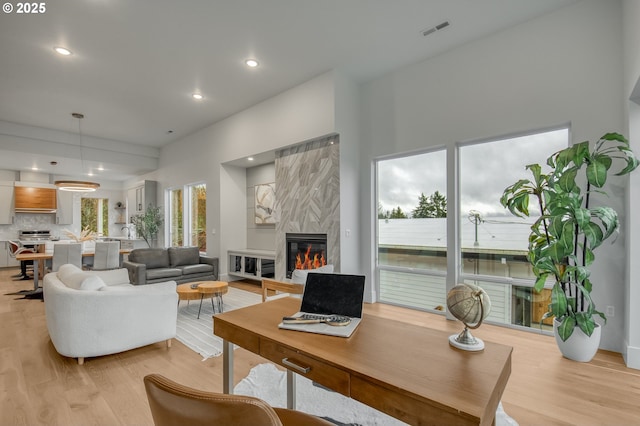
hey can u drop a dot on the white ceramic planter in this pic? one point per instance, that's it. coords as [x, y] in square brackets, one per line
[578, 347]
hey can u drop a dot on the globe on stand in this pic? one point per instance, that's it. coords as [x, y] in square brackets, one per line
[470, 304]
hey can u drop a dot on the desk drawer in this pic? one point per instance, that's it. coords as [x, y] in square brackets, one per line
[326, 375]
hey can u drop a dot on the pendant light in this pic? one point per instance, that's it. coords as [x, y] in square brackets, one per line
[77, 185]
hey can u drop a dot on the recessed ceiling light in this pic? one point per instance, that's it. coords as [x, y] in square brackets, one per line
[250, 158]
[101, 168]
[34, 168]
[197, 96]
[251, 63]
[62, 51]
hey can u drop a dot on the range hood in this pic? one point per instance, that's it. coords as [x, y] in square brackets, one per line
[35, 200]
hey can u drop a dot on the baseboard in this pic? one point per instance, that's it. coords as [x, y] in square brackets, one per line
[632, 356]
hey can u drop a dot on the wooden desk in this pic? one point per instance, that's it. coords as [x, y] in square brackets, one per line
[406, 371]
[37, 257]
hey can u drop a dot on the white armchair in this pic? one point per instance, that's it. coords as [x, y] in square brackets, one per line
[95, 313]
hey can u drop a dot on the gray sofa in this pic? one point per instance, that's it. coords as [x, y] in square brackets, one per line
[179, 264]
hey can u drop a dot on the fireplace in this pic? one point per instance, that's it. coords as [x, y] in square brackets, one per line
[306, 251]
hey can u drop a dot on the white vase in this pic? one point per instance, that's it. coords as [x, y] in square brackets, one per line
[578, 347]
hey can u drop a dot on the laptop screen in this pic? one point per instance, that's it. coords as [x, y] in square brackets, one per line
[338, 294]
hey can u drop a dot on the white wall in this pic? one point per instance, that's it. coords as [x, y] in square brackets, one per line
[301, 113]
[631, 346]
[559, 68]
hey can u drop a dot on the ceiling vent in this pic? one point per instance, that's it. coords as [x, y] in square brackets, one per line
[432, 30]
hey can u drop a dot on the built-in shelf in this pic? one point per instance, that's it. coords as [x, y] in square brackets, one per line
[252, 264]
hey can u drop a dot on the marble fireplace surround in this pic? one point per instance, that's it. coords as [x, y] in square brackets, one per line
[308, 196]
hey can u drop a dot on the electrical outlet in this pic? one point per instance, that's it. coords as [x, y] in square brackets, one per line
[610, 311]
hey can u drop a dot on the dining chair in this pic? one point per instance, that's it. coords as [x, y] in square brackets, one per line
[174, 404]
[66, 253]
[107, 255]
[16, 248]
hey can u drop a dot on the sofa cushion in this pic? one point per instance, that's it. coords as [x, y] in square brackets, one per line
[167, 273]
[196, 269]
[113, 277]
[179, 256]
[83, 281]
[152, 257]
[299, 276]
[118, 287]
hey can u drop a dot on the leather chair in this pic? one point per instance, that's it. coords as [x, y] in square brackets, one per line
[174, 404]
[16, 248]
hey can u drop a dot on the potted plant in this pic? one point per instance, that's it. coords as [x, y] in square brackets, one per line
[148, 224]
[562, 240]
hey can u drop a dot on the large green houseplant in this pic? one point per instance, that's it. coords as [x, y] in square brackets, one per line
[148, 224]
[562, 240]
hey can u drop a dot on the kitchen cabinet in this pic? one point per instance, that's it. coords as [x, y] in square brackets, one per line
[140, 196]
[64, 212]
[252, 264]
[6, 203]
[6, 259]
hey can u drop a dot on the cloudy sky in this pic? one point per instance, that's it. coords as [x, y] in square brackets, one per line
[486, 170]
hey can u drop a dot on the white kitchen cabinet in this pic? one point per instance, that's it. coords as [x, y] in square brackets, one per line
[139, 198]
[6, 259]
[252, 264]
[6, 203]
[64, 210]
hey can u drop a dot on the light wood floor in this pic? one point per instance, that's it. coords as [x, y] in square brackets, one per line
[38, 386]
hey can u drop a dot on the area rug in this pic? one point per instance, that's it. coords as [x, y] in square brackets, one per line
[197, 334]
[266, 382]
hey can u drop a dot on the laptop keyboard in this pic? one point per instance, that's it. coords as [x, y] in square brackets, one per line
[330, 318]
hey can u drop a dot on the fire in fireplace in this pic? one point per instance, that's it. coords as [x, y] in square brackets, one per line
[306, 251]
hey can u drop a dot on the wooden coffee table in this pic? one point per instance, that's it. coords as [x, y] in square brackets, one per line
[218, 288]
[202, 288]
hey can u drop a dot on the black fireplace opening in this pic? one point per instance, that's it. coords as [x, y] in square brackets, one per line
[306, 251]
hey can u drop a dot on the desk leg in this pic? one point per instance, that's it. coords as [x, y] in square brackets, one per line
[291, 390]
[227, 367]
[36, 272]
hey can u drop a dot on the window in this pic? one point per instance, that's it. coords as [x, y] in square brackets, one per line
[176, 234]
[412, 230]
[493, 242]
[95, 215]
[412, 221]
[188, 216]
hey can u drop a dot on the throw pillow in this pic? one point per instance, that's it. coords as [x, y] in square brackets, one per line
[179, 256]
[84, 281]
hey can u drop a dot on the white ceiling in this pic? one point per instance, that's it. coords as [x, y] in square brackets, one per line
[135, 63]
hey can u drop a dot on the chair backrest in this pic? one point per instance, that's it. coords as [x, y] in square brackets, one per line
[16, 248]
[13, 248]
[66, 253]
[107, 255]
[174, 404]
[280, 286]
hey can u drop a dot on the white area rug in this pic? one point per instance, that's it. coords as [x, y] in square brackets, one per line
[197, 334]
[266, 382]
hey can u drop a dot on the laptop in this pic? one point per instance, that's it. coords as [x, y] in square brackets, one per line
[330, 295]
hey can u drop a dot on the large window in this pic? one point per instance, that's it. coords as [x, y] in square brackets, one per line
[188, 216]
[412, 222]
[494, 243]
[412, 230]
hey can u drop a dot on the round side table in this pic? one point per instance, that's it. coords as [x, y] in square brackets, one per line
[217, 288]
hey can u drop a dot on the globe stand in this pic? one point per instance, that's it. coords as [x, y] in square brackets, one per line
[466, 341]
[466, 302]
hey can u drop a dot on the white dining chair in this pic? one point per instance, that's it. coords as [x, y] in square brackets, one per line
[66, 253]
[107, 255]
